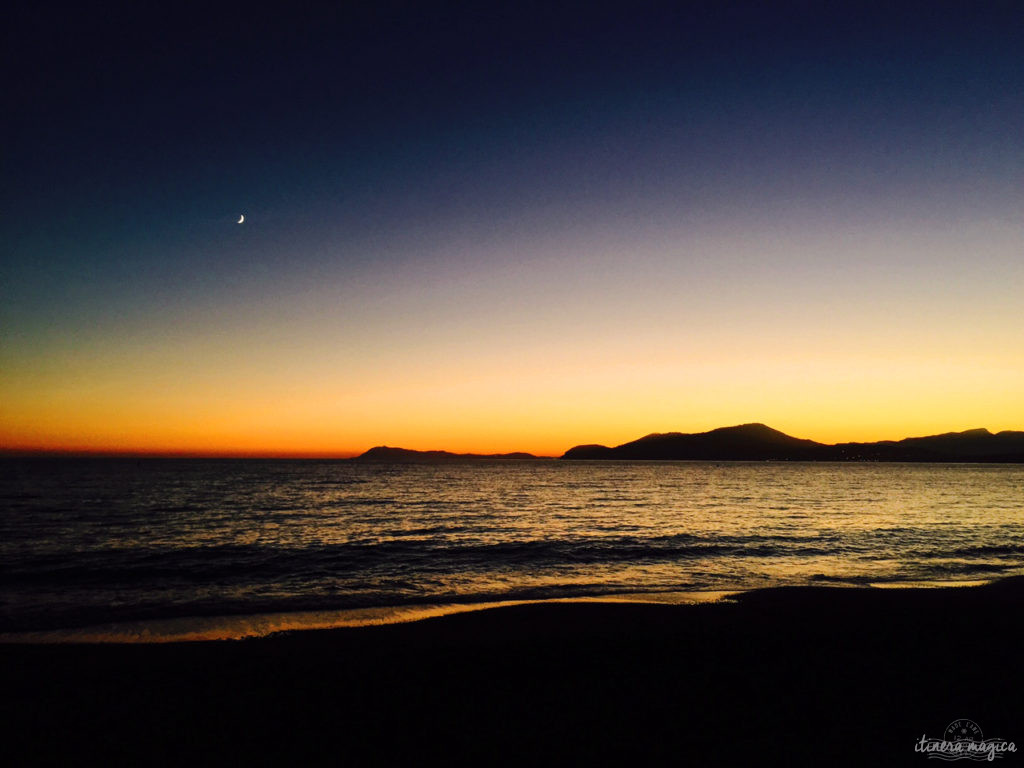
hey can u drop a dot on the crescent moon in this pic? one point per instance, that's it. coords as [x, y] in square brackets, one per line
[240, 219]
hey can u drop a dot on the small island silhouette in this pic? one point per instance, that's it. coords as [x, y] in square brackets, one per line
[756, 442]
[384, 454]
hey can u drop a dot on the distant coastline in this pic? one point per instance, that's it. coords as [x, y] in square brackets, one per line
[754, 442]
[758, 442]
[743, 442]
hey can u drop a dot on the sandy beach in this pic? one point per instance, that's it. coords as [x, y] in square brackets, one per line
[787, 676]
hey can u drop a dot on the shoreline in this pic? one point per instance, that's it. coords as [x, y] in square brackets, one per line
[255, 626]
[235, 627]
[790, 675]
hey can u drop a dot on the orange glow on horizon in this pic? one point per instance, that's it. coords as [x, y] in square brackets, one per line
[543, 354]
[545, 413]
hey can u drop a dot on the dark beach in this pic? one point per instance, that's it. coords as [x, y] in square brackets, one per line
[787, 676]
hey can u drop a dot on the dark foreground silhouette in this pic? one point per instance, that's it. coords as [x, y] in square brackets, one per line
[815, 676]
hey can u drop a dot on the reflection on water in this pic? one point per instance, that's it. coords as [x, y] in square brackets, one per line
[86, 542]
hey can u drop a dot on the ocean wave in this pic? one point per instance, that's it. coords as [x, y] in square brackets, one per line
[124, 537]
[204, 563]
[982, 550]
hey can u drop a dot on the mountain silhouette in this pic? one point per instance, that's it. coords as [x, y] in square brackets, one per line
[971, 445]
[757, 442]
[747, 441]
[751, 442]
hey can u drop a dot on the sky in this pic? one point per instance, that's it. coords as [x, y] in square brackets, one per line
[485, 227]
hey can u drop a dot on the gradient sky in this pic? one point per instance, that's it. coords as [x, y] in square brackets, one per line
[518, 228]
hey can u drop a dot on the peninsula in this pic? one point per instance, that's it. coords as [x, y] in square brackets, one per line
[757, 442]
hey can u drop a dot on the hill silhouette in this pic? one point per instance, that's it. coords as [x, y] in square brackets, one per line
[758, 442]
[383, 454]
[751, 442]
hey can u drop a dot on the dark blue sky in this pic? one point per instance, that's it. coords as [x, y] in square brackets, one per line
[381, 153]
[128, 111]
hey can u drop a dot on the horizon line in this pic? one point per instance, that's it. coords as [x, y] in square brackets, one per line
[331, 455]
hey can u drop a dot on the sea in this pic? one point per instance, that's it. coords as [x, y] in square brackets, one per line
[180, 549]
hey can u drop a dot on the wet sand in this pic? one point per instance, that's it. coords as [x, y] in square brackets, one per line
[793, 676]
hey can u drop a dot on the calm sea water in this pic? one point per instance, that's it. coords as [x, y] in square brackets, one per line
[89, 541]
